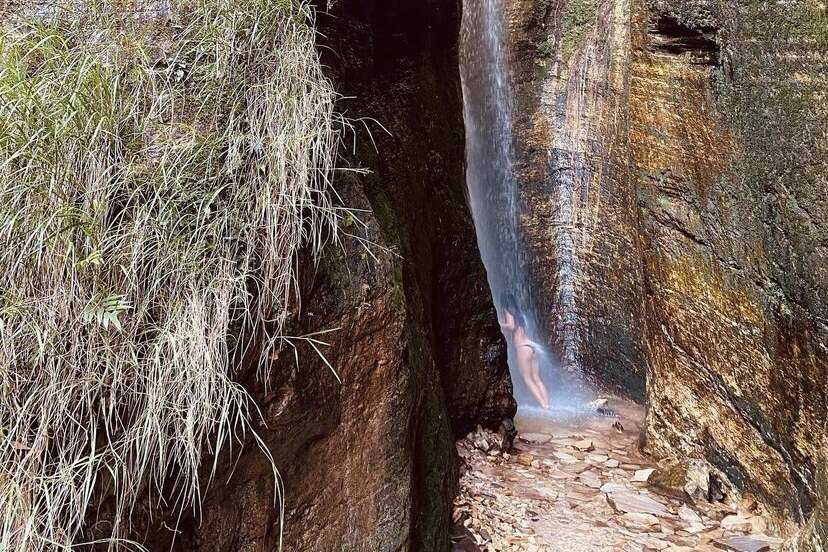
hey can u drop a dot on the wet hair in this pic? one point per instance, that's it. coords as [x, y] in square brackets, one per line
[509, 304]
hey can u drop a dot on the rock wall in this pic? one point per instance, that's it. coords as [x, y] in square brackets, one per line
[570, 77]
[406, 77]
[732, 183]
[369, 463]
[674, 173]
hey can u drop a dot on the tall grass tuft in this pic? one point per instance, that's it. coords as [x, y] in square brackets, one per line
[159, 173]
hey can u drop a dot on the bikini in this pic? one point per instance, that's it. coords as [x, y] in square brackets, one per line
[532, 345]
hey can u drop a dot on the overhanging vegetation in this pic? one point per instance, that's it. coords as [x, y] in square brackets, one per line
[159, 172]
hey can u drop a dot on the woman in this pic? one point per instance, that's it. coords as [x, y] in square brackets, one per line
[526, 350]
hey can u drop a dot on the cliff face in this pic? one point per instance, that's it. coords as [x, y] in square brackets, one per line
[735, 234]
[570, 65]
[399, 61]
[369, 463]
[674, 172]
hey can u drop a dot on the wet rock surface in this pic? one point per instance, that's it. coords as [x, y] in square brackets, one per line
[549, 495]
[369, 463]
[672, 160]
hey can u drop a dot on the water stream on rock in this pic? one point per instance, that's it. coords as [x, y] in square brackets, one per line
[494, 196]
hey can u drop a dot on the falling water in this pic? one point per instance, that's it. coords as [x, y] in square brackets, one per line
[493, 188]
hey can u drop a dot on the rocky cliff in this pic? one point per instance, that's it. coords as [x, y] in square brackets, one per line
[369, 463]
[396, 348]
[674, 174]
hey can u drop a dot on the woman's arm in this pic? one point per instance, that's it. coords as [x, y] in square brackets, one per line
[508, 323]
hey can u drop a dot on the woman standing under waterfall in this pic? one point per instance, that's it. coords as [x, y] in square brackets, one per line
[526, 350]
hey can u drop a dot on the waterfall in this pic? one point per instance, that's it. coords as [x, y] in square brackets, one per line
[494, 191]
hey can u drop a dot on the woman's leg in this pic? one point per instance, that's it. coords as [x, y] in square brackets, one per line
[538, 381]
[524, 356]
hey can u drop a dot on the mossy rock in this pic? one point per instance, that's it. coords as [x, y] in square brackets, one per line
[670, 478]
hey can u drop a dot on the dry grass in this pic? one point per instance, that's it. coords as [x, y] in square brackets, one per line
[157, 181]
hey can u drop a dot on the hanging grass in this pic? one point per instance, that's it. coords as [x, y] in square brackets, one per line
[159, 172]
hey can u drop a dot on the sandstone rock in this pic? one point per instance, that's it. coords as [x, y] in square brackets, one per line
[639, 521]
[697, 484]
[539, 438]
[525, 458]
[638, 503]
[597, 458]
[687, 300]
[642, 476]
[507, 433]
[614, 488]
[758, 524]
[737, 522]
[481, 443]
[688, 514]
[652, 543]
[584, 445]
[695, 528]
[742, 544]
[748, 503]
[565, 458]
[590, 479]
[612, 463]
[578, 467]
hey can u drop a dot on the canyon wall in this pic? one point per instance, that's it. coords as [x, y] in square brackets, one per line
[673, 159]
[369, 463]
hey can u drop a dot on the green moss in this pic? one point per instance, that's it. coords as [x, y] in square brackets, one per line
[546, 48]
[577, 20]
[670, 478]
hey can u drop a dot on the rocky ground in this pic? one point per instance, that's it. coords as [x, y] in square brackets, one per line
[583, 485]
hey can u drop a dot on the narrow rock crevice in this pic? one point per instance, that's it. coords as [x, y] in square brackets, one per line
[669, 36]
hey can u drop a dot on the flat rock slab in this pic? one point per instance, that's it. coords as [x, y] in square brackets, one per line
[642, 476]
[742, 544]
[737, 522]
[557, 473]
[639, 522]
[591, 479]
[689, 515]
[597, 458]
[564, 457]
[614, 488]
[539, 438]
[631, 502]
[584, 445]
[579, 467]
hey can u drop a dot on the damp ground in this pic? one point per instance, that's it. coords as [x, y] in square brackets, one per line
[578, 482]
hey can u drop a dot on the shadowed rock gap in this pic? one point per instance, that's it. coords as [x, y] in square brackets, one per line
[671, 37]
